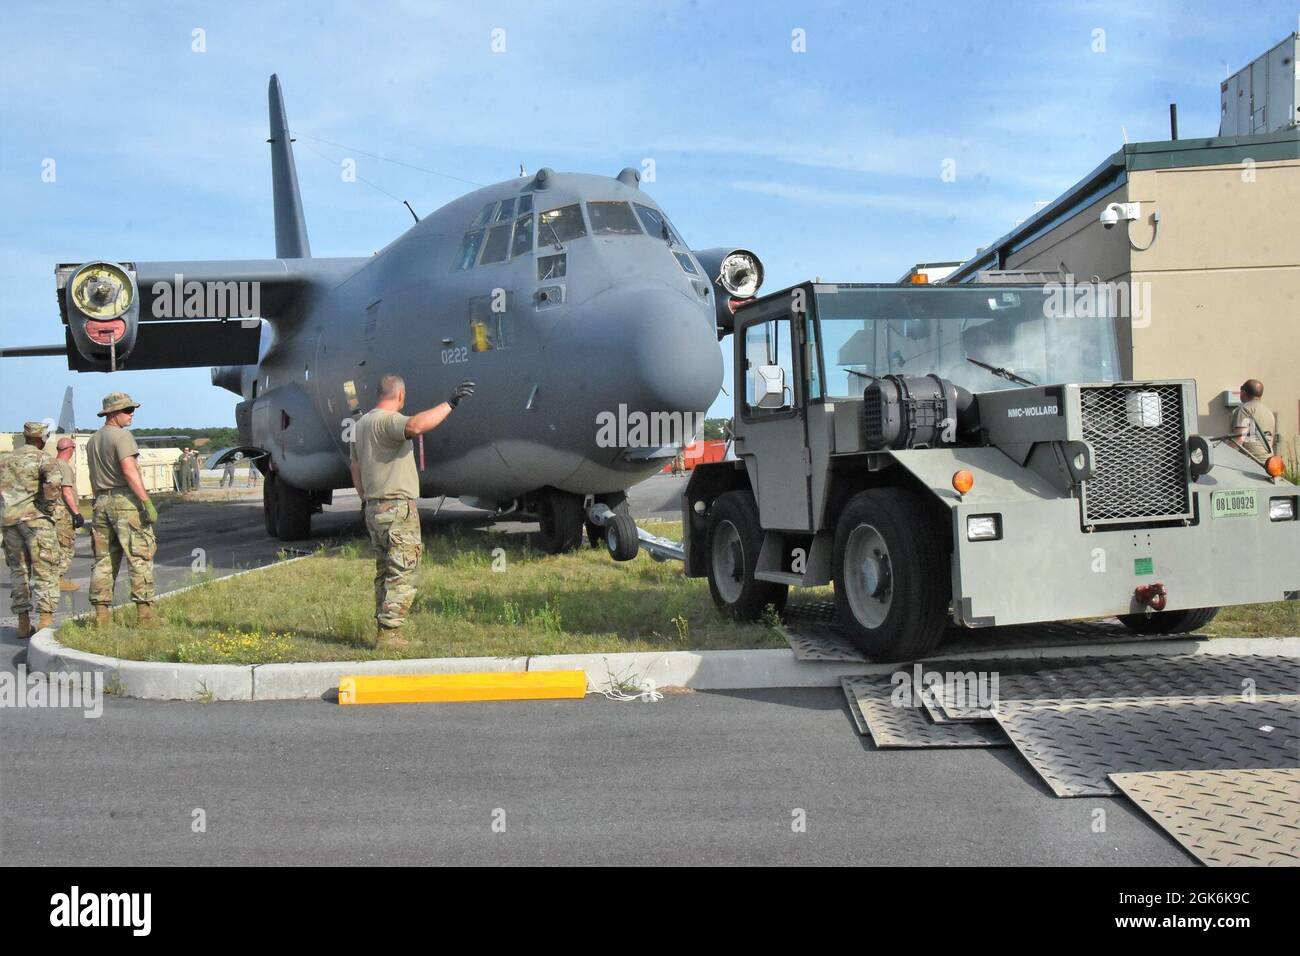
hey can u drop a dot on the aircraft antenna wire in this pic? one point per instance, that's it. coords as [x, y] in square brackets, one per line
[396, 162]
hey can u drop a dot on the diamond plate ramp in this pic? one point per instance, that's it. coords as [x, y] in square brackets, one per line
[811, 631]
[1075, 744]
[889, 725]
[1224, 817]
[1186, 675]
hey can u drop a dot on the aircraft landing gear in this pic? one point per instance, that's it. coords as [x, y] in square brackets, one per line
[286, 509]
[561, 517]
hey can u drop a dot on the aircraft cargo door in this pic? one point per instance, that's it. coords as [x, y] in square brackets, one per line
[771, 402]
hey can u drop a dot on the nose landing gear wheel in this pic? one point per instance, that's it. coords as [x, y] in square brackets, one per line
[620, 537]
[734, 540]
[891, 575]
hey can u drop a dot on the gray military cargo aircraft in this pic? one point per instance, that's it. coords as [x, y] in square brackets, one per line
[568, 298]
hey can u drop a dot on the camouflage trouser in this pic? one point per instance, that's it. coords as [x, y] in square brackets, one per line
[394, 526]
[67, 536]
[32, 554]
[118, 529]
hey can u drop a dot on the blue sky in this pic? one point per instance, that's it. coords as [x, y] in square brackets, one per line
[826, 162]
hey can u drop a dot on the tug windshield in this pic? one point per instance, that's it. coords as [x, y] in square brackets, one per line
[1035, 333]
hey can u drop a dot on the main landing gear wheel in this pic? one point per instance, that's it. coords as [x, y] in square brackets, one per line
[891, 575]
[561, 517]
[1169, 622]
[734, 540]
[292, 511]
[268, 503]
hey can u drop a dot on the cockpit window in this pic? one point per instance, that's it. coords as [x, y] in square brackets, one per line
[561, 225]
[469, 247]
[497, 246]
[657, 224]
[506, 212]
[484, 216]
[523, 243]
[525, 204]
[612, 219]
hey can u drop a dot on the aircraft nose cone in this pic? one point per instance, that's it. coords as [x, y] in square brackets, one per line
[674, 362]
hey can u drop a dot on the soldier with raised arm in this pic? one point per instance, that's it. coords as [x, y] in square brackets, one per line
[384, 474]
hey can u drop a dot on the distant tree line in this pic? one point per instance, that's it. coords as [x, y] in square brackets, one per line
[222, 437]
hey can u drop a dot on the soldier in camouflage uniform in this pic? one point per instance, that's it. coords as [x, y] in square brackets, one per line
[383, 471]
[29, 486]
[67, 513]
[124, 519]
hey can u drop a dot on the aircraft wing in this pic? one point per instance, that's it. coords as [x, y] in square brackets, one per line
[182, 314]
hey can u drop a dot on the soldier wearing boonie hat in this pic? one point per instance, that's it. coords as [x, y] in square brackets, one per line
[124, 518]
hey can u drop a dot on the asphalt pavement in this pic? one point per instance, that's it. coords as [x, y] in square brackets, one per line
[773, 776]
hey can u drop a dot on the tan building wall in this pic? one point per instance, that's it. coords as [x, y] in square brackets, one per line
[1223, 274]
[155, 463]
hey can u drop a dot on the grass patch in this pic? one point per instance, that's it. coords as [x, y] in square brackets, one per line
[1277, 619]
[481, 594]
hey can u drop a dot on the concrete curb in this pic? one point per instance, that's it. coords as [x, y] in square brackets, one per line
[698, 670]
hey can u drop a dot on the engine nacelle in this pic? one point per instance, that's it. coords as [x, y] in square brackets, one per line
[736, 275]
[101, 308]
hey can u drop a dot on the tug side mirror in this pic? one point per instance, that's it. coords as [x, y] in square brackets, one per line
[769, 387]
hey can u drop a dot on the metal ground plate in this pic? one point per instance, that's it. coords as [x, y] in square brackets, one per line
[810, 629]
[1075, 744]
[1224, 817]
[1187, 675]
[889, 725]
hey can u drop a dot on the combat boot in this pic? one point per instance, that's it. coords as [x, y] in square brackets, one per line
[389, 638]
[66, 585]
[24, 627]
[103, 615]
[46, 621]
[145, 615]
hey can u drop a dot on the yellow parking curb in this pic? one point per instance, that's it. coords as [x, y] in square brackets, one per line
[442, 688]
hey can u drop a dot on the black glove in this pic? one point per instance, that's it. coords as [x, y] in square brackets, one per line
[463, 390]
[78, 522]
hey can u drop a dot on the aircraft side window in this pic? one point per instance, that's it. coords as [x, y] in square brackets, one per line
[506, 212]
[684, 261]
[561, 225]
[497, 246]
[657, 224]
[469, 247]
[612, 219]
[551, 267]
[525, 204]
[489, 322]
[484, 216]
[523, 243]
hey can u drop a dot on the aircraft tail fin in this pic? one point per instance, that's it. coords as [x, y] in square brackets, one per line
[290, 225]
[67, 418]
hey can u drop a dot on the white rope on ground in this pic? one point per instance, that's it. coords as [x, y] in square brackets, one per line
[648, 693]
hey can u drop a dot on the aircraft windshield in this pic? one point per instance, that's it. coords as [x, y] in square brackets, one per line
[872, 332]
[612, 219]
